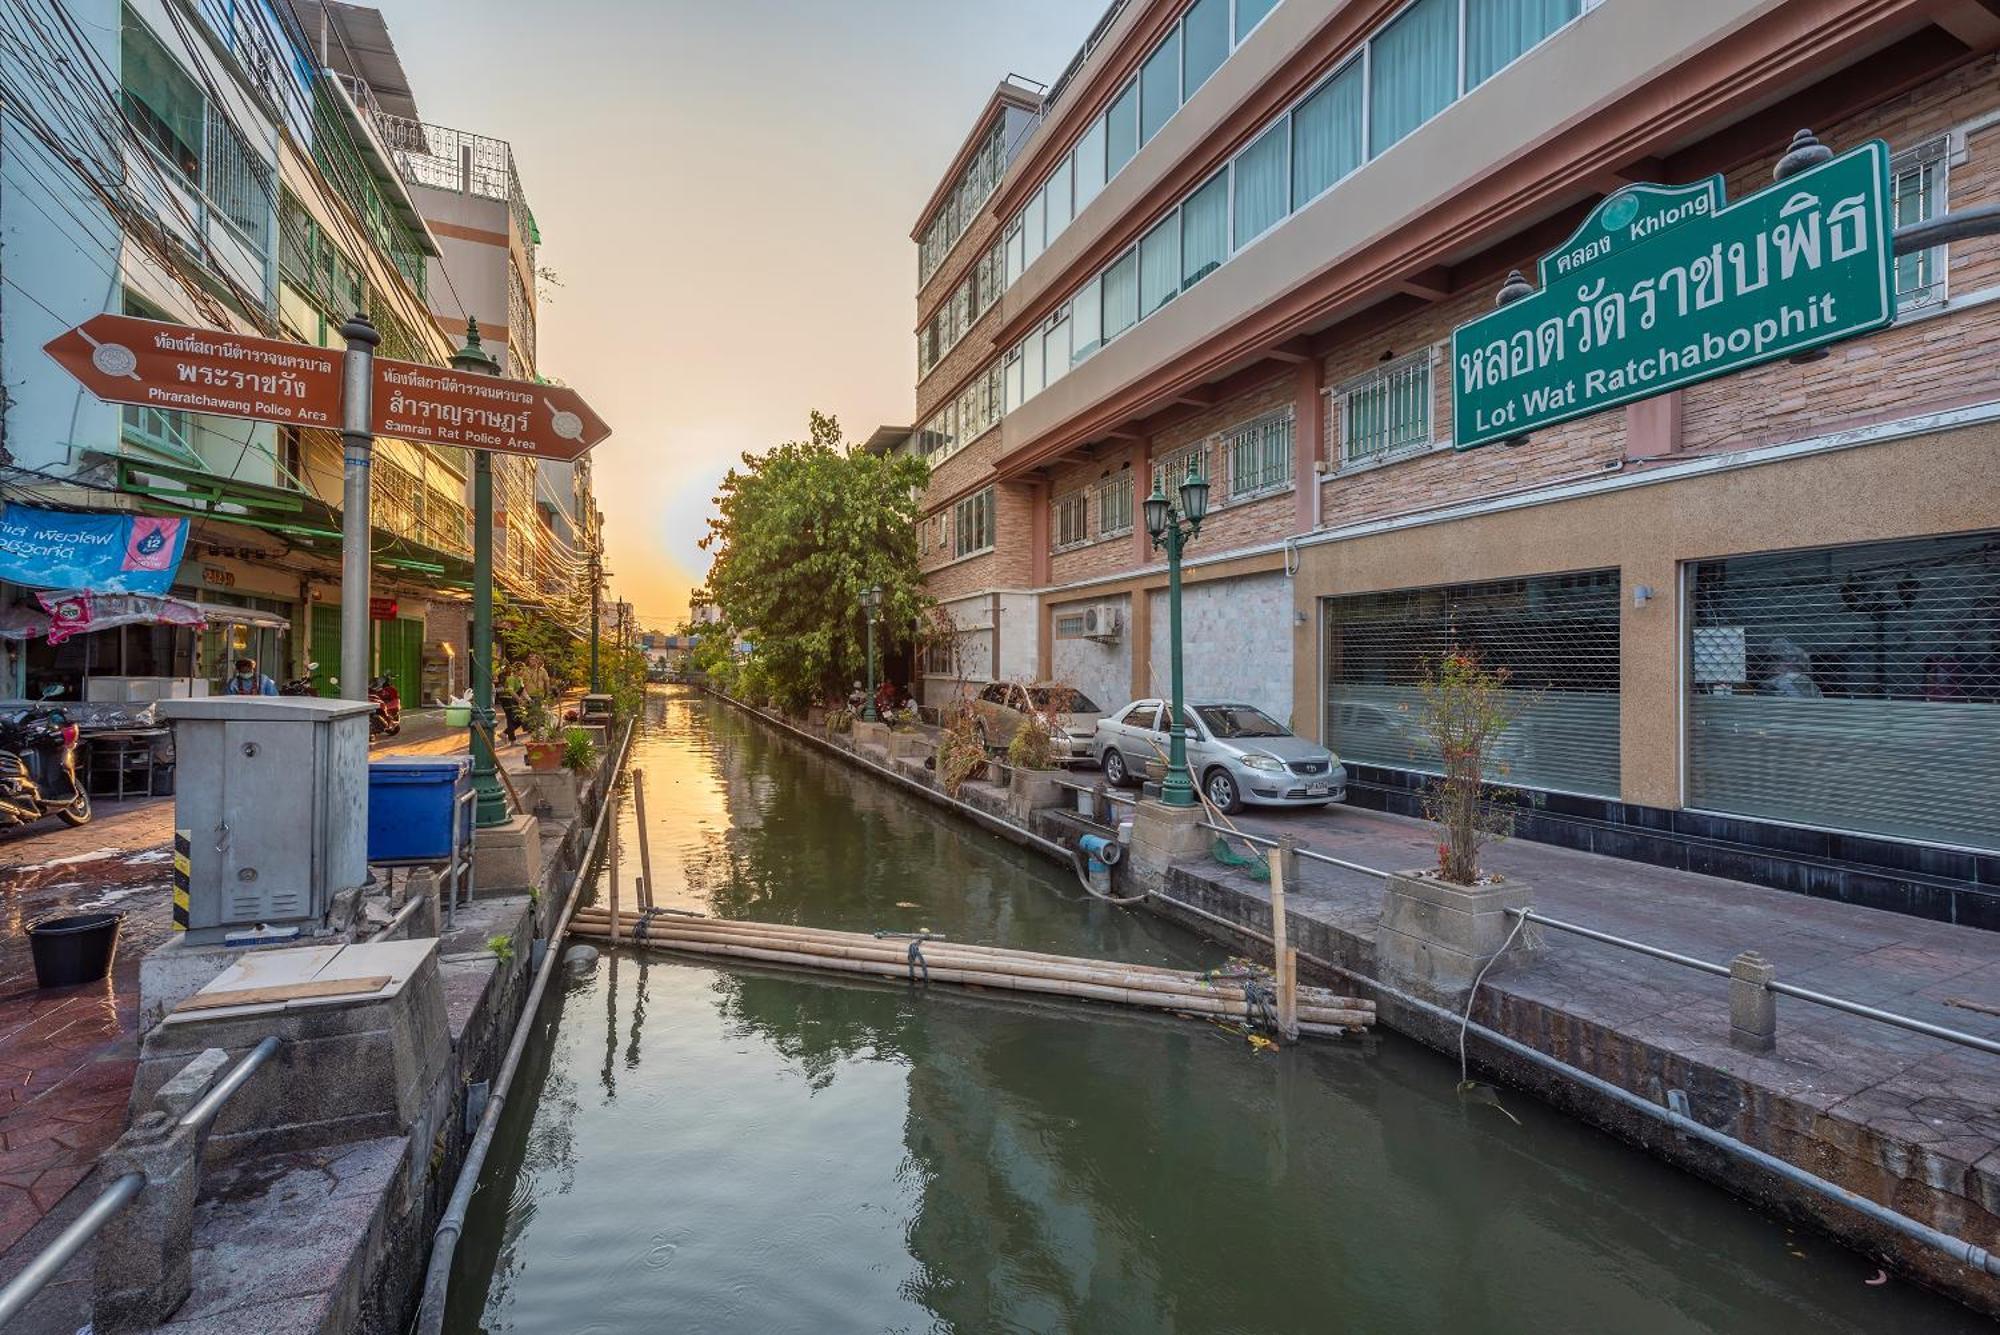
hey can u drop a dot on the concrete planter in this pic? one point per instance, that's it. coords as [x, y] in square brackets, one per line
[1032, 790]
[816, 718]
[1433, 937]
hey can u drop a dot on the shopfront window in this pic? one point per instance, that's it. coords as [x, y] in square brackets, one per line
[1556, 637]
[1850, 688]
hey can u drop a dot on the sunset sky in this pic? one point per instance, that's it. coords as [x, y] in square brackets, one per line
[726, 192]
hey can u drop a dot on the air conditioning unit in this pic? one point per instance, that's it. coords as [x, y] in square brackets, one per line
[1103, 622]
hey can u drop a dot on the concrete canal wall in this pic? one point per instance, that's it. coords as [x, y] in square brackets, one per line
[1899, 1120]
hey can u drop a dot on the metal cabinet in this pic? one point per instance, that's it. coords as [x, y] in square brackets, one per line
[272, 796]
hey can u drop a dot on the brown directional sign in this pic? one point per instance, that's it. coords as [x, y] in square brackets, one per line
[483, 412]
[123, 359]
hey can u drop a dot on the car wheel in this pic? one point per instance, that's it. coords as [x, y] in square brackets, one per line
[77, 812]
[1115, 773]
[1221, 790]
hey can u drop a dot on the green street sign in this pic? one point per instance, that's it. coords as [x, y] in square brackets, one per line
[1666, 286]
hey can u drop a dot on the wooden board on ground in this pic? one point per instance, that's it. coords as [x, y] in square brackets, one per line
[307, 991]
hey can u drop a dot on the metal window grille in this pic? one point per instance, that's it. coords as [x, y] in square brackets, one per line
[1071, 519]
[1917, 178]
[1070, 626]
[1114, 506]
[161, 430]
[1386, 411]
[972, 524]
[1171, 469]
[1851, 688]
[237, 182]
[1556, 637]
[1259, 454]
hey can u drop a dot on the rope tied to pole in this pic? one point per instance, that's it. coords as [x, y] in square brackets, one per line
[1260, 1004]
[917, 960]
[646, 916]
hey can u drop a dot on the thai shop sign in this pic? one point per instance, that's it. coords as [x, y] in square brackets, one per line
[103, 553]
[1667, 286]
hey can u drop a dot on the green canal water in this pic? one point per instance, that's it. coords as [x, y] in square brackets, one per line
[718, 1149]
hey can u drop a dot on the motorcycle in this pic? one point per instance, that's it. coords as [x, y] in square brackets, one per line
[301, 685]
[38, 768]
[387, 720]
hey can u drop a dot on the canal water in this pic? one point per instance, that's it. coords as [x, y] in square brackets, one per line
[721, 1149]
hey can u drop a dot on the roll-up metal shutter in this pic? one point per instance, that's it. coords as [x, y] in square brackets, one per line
[1555, 635]
[1851, 688]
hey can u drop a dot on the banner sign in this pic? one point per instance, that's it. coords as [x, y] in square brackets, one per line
[1667, 286]
[124, 359]
[101, 553]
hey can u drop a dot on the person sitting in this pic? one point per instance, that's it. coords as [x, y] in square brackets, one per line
[249, 681]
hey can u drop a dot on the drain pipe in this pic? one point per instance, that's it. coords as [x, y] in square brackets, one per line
[437, 1279]
[1957, 1249]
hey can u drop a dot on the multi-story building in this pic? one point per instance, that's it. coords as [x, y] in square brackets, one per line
[1753, 625]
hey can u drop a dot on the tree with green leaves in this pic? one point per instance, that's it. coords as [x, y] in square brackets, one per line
[800, 532]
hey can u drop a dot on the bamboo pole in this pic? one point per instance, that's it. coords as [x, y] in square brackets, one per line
[1288, 995]
[612, 870]
[1172, 1001]
[493, 747]
[645, 839]
[677, 923]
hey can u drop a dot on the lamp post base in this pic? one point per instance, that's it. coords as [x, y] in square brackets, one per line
[1177, 788]
[489, 806]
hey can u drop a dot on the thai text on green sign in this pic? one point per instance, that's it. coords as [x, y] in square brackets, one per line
[1665, 286]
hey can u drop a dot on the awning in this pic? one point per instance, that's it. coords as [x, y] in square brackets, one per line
[222, 614]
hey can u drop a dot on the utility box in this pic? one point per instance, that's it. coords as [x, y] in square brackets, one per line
[595, 709]
[272, 797]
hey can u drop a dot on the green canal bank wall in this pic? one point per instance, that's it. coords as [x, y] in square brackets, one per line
[1332, 922]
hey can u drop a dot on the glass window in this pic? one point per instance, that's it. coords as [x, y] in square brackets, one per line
[1121, 130]
[1059, 199]
[1204, 43]
[1033, 220]
[1843, 687]
[1249, 13]
[1326, 134]
[1032, 365]
[1015, 389]
[1498, 31]
[1121, 295]
[1232, 721]
[1056, 351]
[1259, 455]
[1089, 160]
[1413, 72]
[1141, 715]
[1114, 506]
[1263, 184]
[1159, 266]
[1205, 229]
[972, 524]
[160, 101]
[1086, 321]
[1071, 526]
[1918, 180]
[1160, 86]
[1017, 252]
[1386, 411]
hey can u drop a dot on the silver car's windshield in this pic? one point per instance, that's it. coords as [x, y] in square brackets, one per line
[1233, 721]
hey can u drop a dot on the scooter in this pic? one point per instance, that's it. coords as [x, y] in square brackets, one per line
[387, 720]
[38, 767]
[301, 685]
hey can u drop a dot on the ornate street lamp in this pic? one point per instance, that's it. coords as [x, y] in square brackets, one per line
[490, 805]
[871, 607]
[1172, 530]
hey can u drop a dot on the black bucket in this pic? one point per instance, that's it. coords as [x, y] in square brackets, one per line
[74, 949]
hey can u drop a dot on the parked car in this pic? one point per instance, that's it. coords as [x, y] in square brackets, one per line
[1004, 706]
[1236, 752]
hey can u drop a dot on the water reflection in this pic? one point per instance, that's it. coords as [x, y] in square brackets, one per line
[749, 1149]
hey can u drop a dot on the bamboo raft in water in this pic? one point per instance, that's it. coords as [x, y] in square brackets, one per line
[1320, 1011]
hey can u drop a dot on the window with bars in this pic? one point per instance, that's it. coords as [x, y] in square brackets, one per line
[1114, 505]
[1917, 177]
[1259, 455]
[1386, 412]
[972, 524]
[1171, 469]
[1069, 519]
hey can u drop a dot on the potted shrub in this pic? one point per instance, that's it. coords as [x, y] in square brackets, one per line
[1036, 778]
[1442, 927]
[961, 751]
[544, 752]
[579, 753]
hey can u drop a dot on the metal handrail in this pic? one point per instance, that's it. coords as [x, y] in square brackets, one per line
[125, 1189]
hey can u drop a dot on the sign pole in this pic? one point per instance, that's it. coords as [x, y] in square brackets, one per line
[490, 806]
[357, 440]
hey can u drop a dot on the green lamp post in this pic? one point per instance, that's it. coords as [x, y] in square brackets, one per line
[871, 607]
[490, 804]
[1172, 530]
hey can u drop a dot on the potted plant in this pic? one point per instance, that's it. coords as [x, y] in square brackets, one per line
[1445, 926]
[543, 751]
[1036, 777]
[961, 750]
[579, 753]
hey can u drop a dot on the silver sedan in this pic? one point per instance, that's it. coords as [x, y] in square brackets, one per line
[1237, 753]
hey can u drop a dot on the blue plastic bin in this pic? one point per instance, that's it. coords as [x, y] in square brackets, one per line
[409, 808]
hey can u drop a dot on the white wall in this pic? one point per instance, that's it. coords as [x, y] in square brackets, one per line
[1236, 641]
[1101, 671]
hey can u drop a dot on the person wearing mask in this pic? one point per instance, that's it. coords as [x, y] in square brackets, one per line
[247, 680]
[510, 699]
[535, 680]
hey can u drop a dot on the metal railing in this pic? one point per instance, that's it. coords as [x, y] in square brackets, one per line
[21, 1290]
